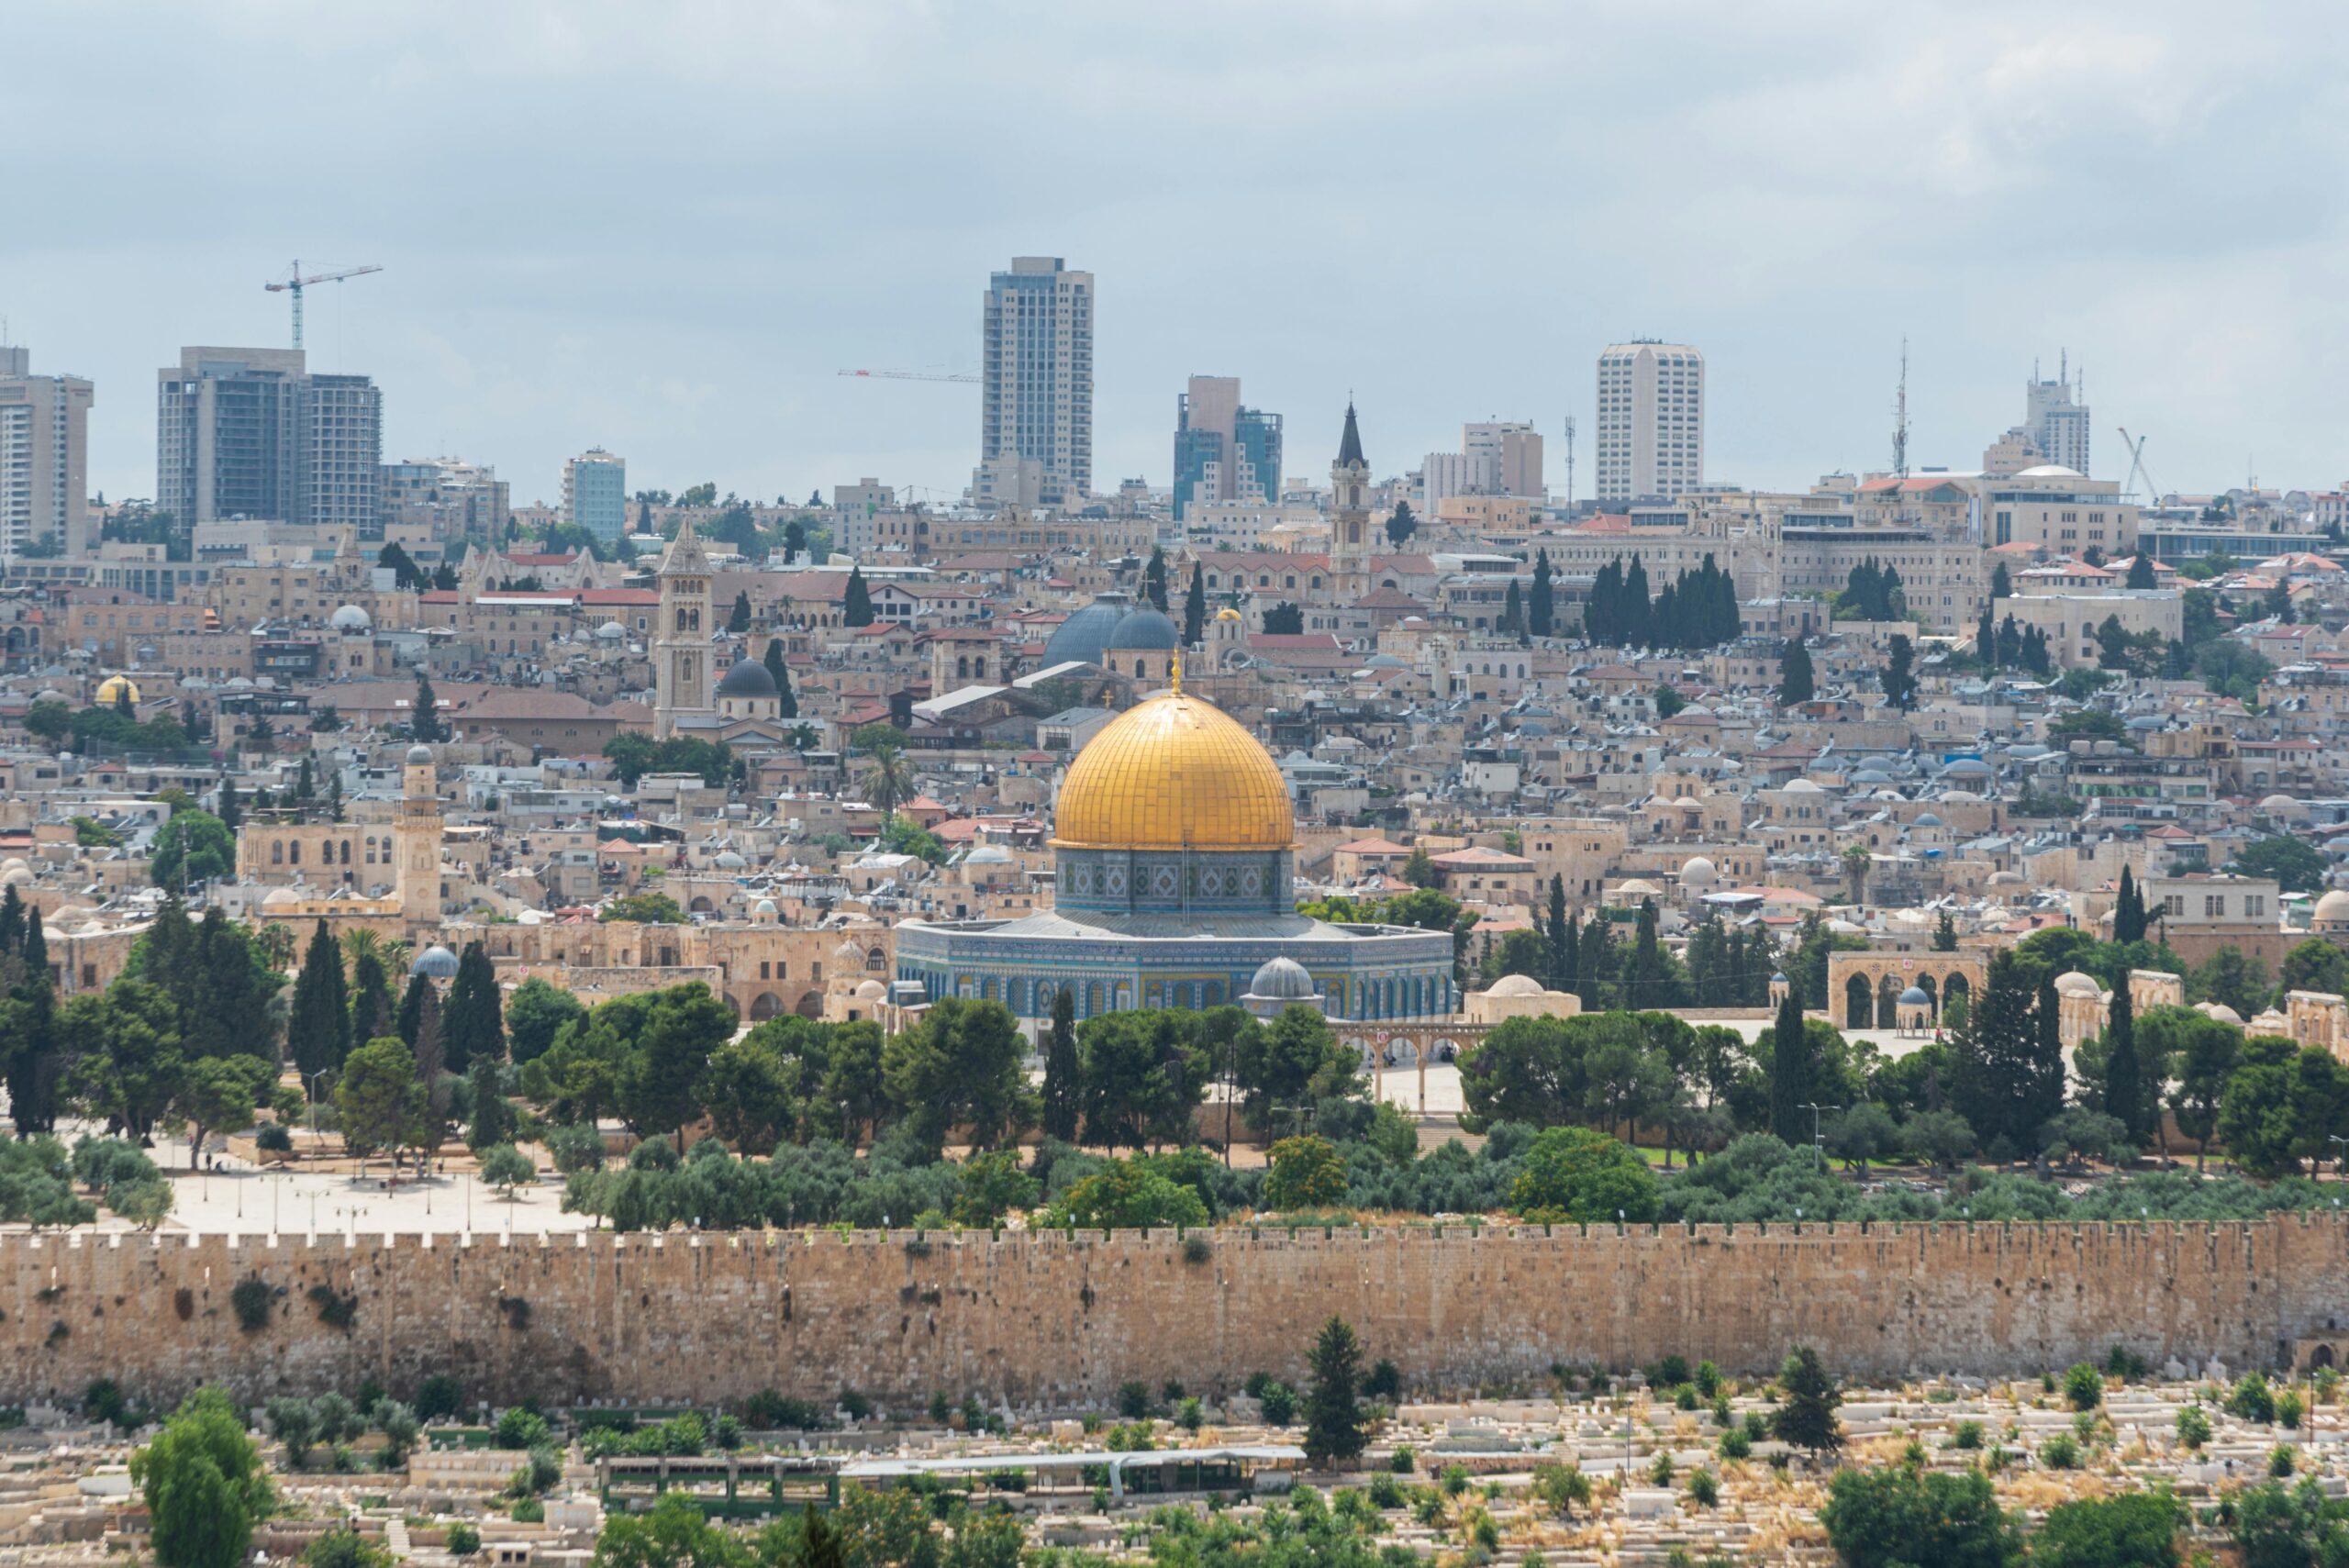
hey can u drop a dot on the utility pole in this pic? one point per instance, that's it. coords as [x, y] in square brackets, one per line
[1570, 462]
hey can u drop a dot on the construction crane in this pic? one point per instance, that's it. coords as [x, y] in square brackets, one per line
[2137, 469]
[295, 282]
[913, 375]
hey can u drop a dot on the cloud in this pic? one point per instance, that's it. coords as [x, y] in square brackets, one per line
[664, 228]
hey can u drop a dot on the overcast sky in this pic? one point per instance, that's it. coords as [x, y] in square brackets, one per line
[664, 227]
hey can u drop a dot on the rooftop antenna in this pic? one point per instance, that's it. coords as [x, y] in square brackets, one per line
[1900, 419]
[1570, 457]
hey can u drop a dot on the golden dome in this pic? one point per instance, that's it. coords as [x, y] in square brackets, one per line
[111, 689]
[1226, 612]
[1170, 773]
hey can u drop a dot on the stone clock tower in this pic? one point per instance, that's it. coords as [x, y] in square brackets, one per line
[681, 636]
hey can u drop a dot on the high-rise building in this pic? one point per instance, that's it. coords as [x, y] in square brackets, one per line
[228, 436]
[44, 458]
[2056, 425]
[249, 433]
[342, 452]
[595, 493]
[1651, 421]
[1505, 455]
[1223, 451]
[1037, 391]
[453, 498]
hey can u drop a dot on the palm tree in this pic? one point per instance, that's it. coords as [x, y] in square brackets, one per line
[1855, 867]
[888, 778]
[358, 942]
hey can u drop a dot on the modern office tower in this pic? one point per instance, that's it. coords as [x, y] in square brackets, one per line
[1505, 455]
[2056, 425]
[228, 436]
[595, 493]
[1223, 451]
[1651, 421]
[342, 452]
[44, 458]
[1037, 391]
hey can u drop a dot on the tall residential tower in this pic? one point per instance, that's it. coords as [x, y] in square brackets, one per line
[249, 433]
[1651, 421]
[1037, 391]
[44, 458]
[1223, 451]
[2056, 426]
[595, 493]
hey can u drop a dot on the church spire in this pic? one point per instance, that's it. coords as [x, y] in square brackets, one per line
[1350, 444]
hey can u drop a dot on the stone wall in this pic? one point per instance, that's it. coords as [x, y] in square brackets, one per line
[1055, 1320]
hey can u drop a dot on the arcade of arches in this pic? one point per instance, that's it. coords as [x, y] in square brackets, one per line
[1864, 988]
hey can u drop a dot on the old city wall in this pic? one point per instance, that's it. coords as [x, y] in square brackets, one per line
[1053, 1319]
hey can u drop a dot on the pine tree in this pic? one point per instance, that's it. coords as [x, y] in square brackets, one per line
[1061, 1069]
[492, 1119]
[2006, 1081]
[1334, 1427]
[1806, 1417]
[856, 602]
[1946, 933]
[231, 812]
[1794, 681]
[1542, 611]
[738, 619]
[318, 1028]
[2002, 586]
[2141, 571]
[1792, 1081]
[2010, 645]
[1595, 961]
[2125, 1090]
[1194, 607]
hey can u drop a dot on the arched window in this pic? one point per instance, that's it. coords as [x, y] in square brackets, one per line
[294, 852]
[276, 852]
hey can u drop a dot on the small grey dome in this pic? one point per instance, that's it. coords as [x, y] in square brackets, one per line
[1915, 997]
[610, 631]
[748, 678]
[1146, 631]
[1283, 980]
[437, 962]
[352, 619]
[418, 754]
[727, 860]
[1084, 636]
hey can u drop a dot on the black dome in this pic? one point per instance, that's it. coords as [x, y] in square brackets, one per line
[1082, 638]
[748, 678]
[1147, 629]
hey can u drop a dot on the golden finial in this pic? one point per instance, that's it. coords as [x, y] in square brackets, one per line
[1174, 672]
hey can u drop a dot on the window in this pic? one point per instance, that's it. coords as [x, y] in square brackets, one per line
[2213, 904]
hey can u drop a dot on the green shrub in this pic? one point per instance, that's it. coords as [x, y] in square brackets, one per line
[2061, 1452]
[1704, 1487]
[522, 1427]
[1402, 1462]
[2084, 1387]
[1384, 1381]
[1279, 1401]
[2279, 1464]
[1660, 1470]
[440, 1396]
[1386, 1492]
[2193, 1428]
[1966, 1435]
[1197, 1249]
[2252, 1399]
[1133, 1399]
[251, 1301]
[1735, 1444]
[464, 1540]
[2288, 1409]
[1707, 1379]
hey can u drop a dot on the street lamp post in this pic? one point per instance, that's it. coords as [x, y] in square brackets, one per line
[1817, 1143]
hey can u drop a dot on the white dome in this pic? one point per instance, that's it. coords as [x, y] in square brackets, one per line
[2221, 1012]
[1846, 929]
[872, 991]
[418, 756]
[1639, 887]
[1698, 872]
[352, 619]
[1515, 986]
[611, 631]
[17, 874]
[988, 855]
[2284, 805]
[763, 907]
[2050, 471]
[2072, 982]
[1804, 786]
[727, 860]
[2333, 908]
[278, 897]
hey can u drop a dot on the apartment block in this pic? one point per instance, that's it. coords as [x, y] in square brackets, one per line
[44, 459]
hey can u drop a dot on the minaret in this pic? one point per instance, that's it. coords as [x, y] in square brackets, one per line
[1350, 512]
[415, 841]
[681, 636]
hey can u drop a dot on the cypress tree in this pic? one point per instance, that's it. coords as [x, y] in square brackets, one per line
[493, 1118]
[1645, 982]
[475, 1028]
[411, 1013]
[1790, 1070]
[36, 943]
[1153, 580]
[1061, 1069]
[1542, 610]
[1562, 938]
[2129, 911]
[1796, 683]
[2010, 644]
[424, 725]
[1636, 607]
[12, 920]
[1513, 612]
[789, 705]
[2124, 1076]
[232, 811]
[1986, 641]
[2000, 1082]
[1594, 961]
[738, 619]
[856, 602]
[371, 998]
[1194, 607]
[318, 1028]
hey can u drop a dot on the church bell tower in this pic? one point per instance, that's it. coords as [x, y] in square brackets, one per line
[1349, 532]
[681, 636]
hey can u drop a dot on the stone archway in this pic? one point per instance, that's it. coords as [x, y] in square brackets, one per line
[764, 1006]
[811, 1005]
[1883, 975]
[702, 906]
[1887, 1002]
[1859, 1003]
